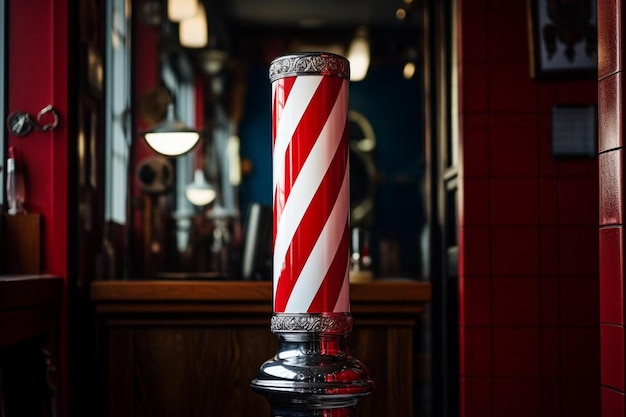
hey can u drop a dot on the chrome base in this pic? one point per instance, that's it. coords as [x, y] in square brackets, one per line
[312, 374]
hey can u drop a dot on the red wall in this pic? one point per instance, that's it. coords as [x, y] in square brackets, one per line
[528, 249]
[610, 99]
[38, 75]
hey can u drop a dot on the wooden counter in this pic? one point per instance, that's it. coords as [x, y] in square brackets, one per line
[192, 347]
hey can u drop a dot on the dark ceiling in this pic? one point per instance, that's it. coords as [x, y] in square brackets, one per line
[260, 30]
[248, 26]
[319, 13]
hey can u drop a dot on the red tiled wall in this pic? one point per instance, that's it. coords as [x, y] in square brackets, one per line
[610, 149]
[528, 231]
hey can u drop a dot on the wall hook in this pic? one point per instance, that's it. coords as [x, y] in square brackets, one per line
[21, 123]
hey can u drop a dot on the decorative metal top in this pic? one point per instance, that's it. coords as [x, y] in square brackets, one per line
[310, 63]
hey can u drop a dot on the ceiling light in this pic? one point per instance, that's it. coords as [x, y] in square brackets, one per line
[171, 137]
[400, 14]
[193, 32]
[200, 192]
[178, 10]
[359, 55]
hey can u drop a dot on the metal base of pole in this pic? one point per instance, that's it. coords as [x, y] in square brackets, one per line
[312, 374]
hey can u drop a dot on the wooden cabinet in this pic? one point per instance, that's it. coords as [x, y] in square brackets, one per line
[30, 308]
[191, 348]
[20, 245]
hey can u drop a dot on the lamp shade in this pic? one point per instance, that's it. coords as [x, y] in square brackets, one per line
[171, 137]
[200, 192]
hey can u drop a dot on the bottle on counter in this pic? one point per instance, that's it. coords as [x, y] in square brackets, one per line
[15, 184]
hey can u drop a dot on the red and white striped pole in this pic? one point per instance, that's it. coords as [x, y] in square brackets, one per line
[311, 198]
[311, 185]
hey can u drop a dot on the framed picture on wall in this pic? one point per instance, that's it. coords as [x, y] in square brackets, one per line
[563, 38]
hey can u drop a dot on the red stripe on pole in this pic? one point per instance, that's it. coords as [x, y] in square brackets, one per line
[288, 83]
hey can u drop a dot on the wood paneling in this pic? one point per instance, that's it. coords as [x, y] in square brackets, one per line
[192, 348]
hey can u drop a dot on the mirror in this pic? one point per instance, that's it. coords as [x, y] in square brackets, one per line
[362, 170]
[224, 89]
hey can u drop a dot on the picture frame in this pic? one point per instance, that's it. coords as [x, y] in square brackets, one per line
[563, 38]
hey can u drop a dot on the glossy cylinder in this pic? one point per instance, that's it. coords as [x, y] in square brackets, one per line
[313, 373]
[311, 183]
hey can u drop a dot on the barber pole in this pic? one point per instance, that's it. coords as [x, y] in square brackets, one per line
[311, 196]
[311, 185]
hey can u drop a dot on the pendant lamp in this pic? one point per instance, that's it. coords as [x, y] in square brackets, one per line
[200, 192]
[171, 137]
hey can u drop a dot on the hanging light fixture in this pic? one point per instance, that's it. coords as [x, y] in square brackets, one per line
[193, 32]
[178, 10]
[359, 55]
[200, 192]
[171, 137]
